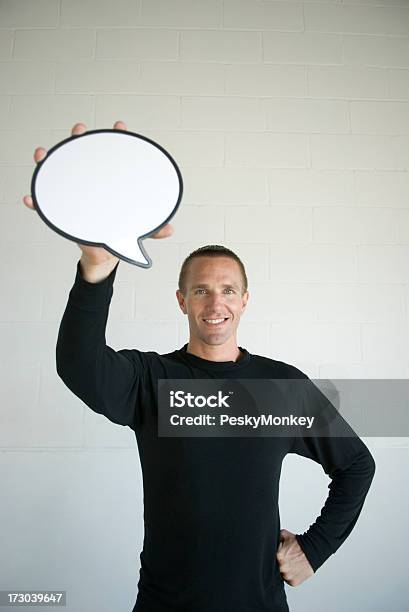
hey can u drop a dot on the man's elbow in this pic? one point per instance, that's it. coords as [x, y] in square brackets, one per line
[370, 467]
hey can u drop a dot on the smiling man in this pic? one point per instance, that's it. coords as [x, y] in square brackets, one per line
[213, 293]
[213, 541]
[212, 536]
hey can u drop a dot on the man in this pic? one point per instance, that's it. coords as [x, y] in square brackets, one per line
[212, 541]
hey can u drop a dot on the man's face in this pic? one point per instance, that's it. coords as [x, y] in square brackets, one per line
[214, 287]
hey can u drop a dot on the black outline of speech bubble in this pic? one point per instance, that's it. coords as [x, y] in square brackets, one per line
[102, 244]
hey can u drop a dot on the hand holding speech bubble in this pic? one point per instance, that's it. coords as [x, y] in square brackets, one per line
[108, 188]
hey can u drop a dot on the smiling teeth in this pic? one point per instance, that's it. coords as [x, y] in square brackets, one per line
[214, 320]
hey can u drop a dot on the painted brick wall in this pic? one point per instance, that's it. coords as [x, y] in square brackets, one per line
[290, 123]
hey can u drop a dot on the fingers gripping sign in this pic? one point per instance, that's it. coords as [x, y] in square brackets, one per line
[293, 564]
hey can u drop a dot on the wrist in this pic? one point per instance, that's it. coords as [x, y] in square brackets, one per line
[96, 273]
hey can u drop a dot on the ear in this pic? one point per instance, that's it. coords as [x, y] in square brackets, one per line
[246, 296]
[181, 301]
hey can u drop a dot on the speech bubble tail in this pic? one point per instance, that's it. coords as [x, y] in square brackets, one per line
[132, 251]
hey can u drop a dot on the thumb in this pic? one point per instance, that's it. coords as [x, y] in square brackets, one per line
[284, 534]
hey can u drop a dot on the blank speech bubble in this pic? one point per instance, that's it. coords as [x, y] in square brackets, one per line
[108, 188]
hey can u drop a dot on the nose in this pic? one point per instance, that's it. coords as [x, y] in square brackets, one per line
[216, 302]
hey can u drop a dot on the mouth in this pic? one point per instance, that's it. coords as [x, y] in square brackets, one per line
[216, 322]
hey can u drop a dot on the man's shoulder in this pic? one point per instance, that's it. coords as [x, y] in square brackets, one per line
[162, 364]
[280, 369]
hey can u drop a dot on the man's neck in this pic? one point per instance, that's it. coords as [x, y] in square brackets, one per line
[214, 353]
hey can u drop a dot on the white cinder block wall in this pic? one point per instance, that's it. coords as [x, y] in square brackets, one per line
[289, 121]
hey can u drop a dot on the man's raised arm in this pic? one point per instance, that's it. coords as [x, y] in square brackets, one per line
[108, 381]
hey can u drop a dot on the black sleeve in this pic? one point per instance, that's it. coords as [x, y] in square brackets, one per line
[110, 382]
[351, 468]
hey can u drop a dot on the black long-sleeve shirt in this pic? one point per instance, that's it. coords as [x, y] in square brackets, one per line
[211, 516]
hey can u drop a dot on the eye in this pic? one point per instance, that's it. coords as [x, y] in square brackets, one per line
[228, 289]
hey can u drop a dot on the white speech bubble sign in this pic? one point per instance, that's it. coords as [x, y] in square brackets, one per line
[109, 188]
